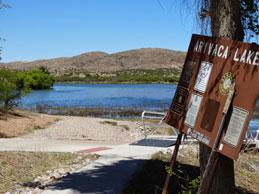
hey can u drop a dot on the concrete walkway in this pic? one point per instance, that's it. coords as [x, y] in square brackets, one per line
[109, 174]
[45, 145]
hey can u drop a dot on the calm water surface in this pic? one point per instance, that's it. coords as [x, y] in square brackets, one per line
[141, 96]
[136, 96]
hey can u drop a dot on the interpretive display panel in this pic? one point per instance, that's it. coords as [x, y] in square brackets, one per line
[235, 126]
[212, 65]
[193, 110]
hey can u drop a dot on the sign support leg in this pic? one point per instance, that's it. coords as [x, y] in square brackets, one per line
[213, 158]
[173, 160]
[208, 173]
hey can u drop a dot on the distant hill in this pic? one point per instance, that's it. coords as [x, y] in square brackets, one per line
[100, 62]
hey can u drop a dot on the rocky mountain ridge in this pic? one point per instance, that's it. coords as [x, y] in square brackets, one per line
[95, 62]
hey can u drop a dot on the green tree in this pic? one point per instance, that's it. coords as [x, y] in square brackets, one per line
[15, 84]
[11, 89]
[36, 79]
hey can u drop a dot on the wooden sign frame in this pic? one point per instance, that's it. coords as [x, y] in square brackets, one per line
[211, 66]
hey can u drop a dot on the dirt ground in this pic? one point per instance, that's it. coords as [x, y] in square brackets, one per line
[98, 130]
[23, 122]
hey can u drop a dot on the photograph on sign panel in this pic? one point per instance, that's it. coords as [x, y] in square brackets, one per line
[203, 77]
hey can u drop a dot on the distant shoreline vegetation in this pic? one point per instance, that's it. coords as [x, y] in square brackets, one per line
[126, 76]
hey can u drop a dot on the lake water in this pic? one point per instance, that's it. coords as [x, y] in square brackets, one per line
[106, 96]
[140, 96]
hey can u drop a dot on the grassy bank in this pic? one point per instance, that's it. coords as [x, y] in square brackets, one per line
[129, 76]
[19, 168]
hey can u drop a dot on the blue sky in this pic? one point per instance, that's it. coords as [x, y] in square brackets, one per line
[40, 29]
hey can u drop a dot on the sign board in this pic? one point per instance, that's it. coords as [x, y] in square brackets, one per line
[211, 66]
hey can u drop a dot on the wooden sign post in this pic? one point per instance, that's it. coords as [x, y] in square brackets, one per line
[211, 67]
[172, 163]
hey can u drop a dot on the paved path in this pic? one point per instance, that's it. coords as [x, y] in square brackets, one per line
[54, 145]
[109, 174]
[45, 145]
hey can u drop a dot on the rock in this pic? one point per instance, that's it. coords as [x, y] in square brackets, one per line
[32, 184]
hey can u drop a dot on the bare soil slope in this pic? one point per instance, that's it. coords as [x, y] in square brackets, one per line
[146, 58]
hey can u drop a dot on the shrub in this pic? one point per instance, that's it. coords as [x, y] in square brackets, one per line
[36, 79]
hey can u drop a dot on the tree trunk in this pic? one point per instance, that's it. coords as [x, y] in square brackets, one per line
[225, 22]
[6, 106]
[226, 19]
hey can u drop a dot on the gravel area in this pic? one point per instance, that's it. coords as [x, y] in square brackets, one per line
[106, 131]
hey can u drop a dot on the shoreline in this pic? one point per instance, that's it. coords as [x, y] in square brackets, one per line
[111, 113]
[115, 83]
[101, 112]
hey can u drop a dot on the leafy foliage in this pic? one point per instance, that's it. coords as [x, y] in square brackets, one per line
[250, 15]
[14, 84]
[187, 184]
[151, 176]
[10, 89]
[36, 79]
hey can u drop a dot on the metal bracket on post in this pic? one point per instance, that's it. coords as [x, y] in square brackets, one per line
[173, 160]
[213, 158]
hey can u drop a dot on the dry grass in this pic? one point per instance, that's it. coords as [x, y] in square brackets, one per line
[113, 123]
[21, 167]
[247, 172]
[22, 122]
[186, 155]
